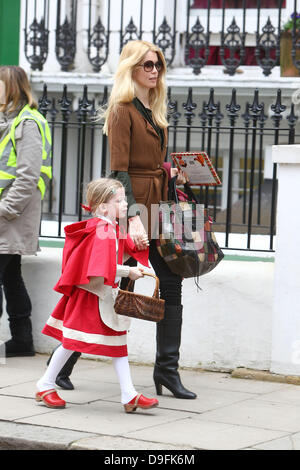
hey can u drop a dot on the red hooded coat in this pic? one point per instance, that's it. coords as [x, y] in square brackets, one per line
[89, 251]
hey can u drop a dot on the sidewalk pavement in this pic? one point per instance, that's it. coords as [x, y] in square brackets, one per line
[229, 413]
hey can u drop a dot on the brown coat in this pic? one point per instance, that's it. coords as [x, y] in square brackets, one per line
[135, 147]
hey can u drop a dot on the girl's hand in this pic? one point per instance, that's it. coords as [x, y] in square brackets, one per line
[135, 273]
[182, 177]
[137, 232]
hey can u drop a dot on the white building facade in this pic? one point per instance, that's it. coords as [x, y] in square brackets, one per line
[233, 316]
[77, 43]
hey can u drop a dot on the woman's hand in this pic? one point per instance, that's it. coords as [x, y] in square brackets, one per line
[137, 232]
[182, 177]
[135, 273]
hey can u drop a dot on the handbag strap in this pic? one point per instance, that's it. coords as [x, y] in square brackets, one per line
[173, 196]
[173, 191]
[191, 195]
[156, 290]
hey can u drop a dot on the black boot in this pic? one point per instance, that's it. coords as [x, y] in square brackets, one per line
[21, 343]
[168, 338]
[63, 379]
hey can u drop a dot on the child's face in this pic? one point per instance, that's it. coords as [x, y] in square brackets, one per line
[116, 207]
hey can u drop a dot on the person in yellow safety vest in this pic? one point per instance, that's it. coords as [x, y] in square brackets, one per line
[25, 169]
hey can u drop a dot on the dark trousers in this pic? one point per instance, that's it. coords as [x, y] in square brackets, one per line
[170, 284]
[18, 304]
[168, 330]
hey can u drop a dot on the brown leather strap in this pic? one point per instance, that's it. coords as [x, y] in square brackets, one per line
[155, 294]
[47, 392]
[156, 290]
[137, 399]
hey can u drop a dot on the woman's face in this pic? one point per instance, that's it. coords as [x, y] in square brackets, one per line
[142, 77]
[2, 92]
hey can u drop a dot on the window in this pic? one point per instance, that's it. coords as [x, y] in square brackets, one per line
[268, 8]
[237, 4]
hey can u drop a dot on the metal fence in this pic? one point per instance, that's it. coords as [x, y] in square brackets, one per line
[210, 36]
[235, 135]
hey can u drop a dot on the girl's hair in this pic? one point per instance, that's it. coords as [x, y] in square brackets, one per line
[17, 88]
[123, 90]
[101, 190]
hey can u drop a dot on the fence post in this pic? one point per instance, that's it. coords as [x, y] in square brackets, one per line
[285, 356]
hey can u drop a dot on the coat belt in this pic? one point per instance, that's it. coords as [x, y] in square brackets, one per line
[157, 173]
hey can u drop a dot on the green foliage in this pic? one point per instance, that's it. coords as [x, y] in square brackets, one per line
[294, 20]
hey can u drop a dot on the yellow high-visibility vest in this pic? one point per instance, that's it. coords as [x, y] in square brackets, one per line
[8, 156]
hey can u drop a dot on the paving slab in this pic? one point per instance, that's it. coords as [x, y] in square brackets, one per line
[207, 435]
[291, 442]
[16, 436]
[86, 391]
[104, 371]
[222, 381]
[259, 414]
[13, 408]
[116, 443]
[289, 395]
[104, 417]
[207, 399]
[229, 413]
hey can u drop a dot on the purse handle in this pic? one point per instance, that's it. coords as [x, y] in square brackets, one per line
[187, 189]
[155, 293]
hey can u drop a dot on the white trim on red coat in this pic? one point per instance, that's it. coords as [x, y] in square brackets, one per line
[90, 338]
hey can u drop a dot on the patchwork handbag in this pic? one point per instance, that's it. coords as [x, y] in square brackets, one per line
[186, 241]
[134, 305]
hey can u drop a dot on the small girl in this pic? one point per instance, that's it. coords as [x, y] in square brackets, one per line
[84, 319]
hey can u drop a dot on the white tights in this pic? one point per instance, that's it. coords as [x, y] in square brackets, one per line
[60, 357]
[58, 360]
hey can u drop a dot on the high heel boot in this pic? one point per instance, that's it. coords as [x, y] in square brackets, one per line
[168, 339]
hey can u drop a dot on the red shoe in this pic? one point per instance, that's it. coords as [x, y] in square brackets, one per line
[50, 399]
[140, 402]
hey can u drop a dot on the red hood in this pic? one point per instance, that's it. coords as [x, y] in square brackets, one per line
[76, 233]
[87, 254]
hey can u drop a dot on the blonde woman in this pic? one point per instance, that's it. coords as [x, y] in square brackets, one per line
[136, 125]
[25, 167]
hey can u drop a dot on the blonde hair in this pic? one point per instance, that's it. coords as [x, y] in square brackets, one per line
[17, 88]
[123, 90]
[100, 191]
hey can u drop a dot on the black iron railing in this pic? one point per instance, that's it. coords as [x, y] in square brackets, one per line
[234, 137]
[201, 43]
